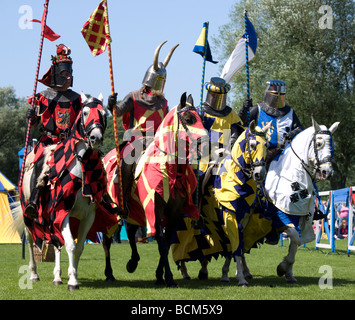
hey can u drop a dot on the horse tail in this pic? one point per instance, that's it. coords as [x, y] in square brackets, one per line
[17, 225]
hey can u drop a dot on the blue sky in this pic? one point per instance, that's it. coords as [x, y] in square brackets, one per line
[137, 27]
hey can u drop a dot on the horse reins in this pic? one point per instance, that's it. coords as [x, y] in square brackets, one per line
[249, 172]
[316, 167]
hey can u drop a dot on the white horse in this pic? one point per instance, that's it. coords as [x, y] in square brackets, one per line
[290, 190]
[88, 132]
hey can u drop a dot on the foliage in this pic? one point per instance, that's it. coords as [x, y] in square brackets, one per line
[317, 65]
[12, 131]
[140, 285]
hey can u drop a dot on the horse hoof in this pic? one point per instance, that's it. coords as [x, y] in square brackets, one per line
[35, 279]
[280, 270]
[57, 283]
[202, 275]
[160, 282]
[173, 285]
[110, 279]
[225, 279]
[73, 287]
[131, 266]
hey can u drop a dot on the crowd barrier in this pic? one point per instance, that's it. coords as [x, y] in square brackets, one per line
[327, 226]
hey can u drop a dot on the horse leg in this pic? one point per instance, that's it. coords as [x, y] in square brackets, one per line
[84, 227]
[70, 247]
[203, 273]
[131, 234]
[246, 272]
[225, 270]
[183, 271]
[240, 274]
[57, 272]
[285, 267]
[163, 246]
[32, 264]
[106, 243]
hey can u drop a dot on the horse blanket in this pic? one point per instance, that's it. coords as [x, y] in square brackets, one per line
[57, 203]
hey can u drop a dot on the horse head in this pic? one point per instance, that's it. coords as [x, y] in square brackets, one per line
[93, 120]
[323, 150]
[255, 151]
[194, 132]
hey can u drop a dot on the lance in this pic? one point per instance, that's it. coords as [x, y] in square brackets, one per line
[43, 24]
[114, 111]
[199, 111]
[247, 60]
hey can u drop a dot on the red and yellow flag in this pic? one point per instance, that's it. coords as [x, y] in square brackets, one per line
[95, 30]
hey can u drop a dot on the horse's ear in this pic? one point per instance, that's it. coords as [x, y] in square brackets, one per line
[183, 100]
[315, 125]
[83, 97]
[101, 97]
[190, 100]
[334, 126]
[252, 126]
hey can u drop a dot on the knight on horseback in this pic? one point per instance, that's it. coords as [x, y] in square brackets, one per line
[285, 124]
[56, 109]
[142, 112]
[222, 122]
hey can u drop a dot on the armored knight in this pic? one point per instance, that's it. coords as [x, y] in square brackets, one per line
[142, 112]
[56, 109]
[222, 123]
[285, 124]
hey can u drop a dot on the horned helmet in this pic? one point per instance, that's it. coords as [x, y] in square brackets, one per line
[155, 76]
[275, 94]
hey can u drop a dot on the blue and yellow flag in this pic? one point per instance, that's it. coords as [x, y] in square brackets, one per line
[201, 43]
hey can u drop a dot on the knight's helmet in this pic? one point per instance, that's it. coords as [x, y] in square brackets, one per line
[217, 90]
[155, 76]
[61, 62]
[275, 93]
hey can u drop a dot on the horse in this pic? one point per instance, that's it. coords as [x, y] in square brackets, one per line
[290, 187]
[73, 186]
[164, 184]
[226, 203]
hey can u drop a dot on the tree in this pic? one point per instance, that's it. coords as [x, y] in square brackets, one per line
[317, 63]
[12, 131]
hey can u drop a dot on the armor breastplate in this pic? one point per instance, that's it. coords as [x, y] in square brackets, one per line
[58, 110]
[279, 126]
[145, 116]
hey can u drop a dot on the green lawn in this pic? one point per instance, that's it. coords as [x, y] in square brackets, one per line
[140, 285]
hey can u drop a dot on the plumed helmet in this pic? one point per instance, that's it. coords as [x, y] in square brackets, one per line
[60, 62]
[275, 93]
[155, 77]
[217, 90]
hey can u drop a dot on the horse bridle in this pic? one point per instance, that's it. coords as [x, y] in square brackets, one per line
[249, 171]
[312, 170]
[94, 125]
[185, 126]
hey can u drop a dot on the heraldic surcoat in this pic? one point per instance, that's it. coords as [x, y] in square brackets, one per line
[58, 111]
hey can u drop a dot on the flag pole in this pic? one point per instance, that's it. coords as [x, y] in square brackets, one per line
[43, 24]
[114, 111]
[247, 60]
[204, 64]
[197, 199]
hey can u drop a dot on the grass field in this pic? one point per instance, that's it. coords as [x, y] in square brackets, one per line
[140, 285]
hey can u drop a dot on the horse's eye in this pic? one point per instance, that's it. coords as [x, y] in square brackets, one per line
[252, 144]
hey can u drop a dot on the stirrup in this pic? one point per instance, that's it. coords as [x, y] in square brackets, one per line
[31, 210]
